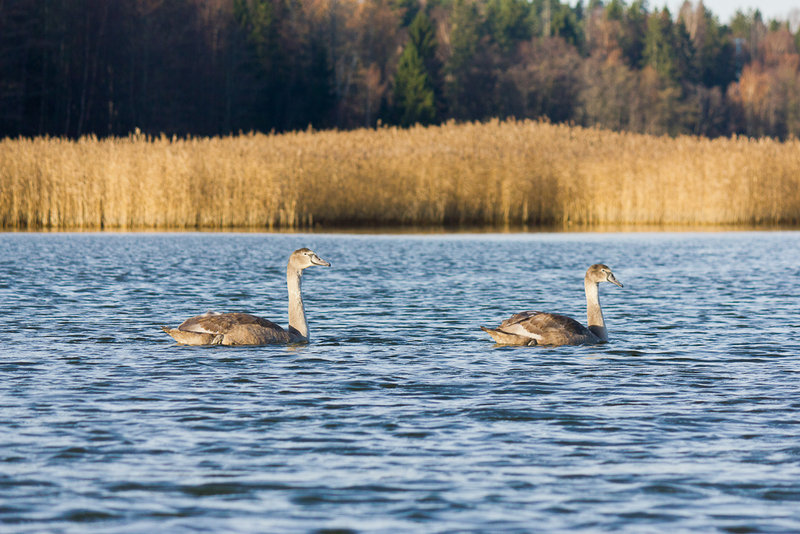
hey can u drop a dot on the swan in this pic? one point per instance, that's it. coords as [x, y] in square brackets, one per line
[539, 328]
[213, 328]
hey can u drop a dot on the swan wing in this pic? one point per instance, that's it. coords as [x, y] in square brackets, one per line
[547, 328]
[223, 323]
[517, 325]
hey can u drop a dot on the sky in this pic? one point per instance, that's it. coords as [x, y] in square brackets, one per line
[725, 9]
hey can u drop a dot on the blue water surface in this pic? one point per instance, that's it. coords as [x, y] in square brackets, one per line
[401, 415]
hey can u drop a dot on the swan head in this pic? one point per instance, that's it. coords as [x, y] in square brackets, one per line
[303, 258]
[601, 273]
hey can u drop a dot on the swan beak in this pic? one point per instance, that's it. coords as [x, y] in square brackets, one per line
[613, 279]
[316, 260]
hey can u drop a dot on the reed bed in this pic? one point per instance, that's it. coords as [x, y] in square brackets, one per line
[496, 173]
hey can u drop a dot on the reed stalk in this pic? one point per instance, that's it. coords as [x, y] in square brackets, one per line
[496, 173]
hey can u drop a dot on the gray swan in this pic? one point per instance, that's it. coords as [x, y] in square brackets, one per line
[213, 328]
[539, 328]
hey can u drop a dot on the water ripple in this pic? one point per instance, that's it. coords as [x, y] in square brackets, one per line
[401, 415]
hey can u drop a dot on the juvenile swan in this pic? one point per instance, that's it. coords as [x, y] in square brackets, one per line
[213, 328]
[539, 328]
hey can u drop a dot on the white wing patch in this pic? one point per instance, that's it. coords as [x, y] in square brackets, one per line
[199, 328]
[520, 330]
[195, 324]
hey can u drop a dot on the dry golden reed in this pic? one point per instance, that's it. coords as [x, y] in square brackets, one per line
[495, 173]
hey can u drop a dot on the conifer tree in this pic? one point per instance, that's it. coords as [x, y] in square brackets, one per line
[470, 69]
[423, 36]
[659, 52]
[509, 22]
[413, 92]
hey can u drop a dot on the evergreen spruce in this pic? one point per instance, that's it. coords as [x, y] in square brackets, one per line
[413, 92]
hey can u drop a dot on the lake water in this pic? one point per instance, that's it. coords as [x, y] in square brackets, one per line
[401, 415]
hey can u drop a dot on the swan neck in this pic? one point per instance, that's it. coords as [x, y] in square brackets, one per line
[297, 313]
[594, 313]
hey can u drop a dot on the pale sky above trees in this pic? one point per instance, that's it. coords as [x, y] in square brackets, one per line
[725, 9]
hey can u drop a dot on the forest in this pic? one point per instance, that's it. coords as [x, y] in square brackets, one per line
[217, 67]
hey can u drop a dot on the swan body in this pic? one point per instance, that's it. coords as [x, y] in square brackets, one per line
[213, 328]
[540, 328]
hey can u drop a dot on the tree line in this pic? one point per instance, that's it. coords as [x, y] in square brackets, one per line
[213, 67]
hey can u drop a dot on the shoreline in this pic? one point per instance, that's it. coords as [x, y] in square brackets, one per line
[427, 230]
